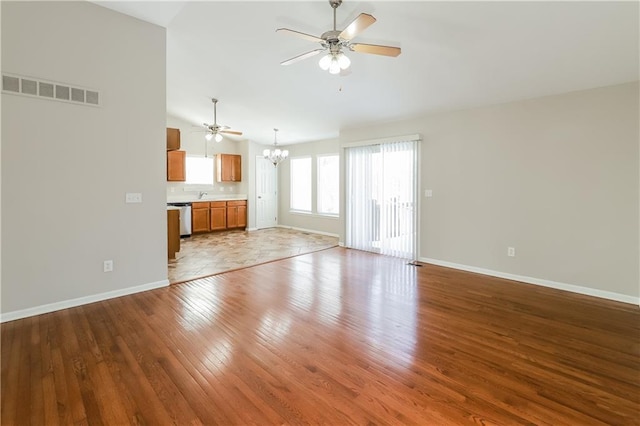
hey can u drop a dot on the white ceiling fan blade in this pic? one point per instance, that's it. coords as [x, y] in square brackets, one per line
[376, 49]
[299, 34]
[301, 57]
[231, 132]
[358, 25]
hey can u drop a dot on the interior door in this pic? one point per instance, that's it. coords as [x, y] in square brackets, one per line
[266, 194]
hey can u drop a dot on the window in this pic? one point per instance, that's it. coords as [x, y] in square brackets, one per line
[328, 184]
[199, 171]
[301, 184]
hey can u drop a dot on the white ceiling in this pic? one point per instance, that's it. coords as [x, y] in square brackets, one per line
[454, 55]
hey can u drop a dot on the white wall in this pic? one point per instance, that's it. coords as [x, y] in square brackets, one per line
[313, 222]
[193, 142]
[66, 168]
[555, 177]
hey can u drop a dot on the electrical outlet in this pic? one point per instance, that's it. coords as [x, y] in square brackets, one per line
[511, 251]
[428, 193]
[108, 266]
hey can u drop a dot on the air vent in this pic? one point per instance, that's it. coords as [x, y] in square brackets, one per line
[29, 87]
[10, 84]
[62, 92]
[39, 88]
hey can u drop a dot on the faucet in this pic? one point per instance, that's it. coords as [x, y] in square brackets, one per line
[202, 194]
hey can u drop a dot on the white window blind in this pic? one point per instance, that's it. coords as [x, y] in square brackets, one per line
[381, 194]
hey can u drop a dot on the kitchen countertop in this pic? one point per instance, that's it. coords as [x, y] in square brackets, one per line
[173, 208]
[195, 199]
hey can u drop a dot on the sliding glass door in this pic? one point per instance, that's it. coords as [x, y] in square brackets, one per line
[381, 189]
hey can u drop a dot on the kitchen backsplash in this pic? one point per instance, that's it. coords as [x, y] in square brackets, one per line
[180, 190]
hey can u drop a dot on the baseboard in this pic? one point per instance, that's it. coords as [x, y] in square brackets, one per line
[312, 231]
[537, 281]
[251, 229]
[51, 307]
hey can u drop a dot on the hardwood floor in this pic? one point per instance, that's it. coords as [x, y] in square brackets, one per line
[334, 337]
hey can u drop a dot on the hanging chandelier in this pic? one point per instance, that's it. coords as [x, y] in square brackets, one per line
[275, 155]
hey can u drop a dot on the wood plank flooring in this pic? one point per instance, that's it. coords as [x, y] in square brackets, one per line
[334, 337]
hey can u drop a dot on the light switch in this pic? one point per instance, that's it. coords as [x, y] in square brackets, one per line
[133, 197]
[428, 193]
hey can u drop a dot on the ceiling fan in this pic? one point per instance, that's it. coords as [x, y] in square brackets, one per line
[335, 42]
[215, 130]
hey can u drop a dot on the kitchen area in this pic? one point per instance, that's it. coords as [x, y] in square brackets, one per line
[206, 192]
[211, 188]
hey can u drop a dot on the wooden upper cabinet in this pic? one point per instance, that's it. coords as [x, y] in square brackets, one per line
[176, 167]
[228, 168]
[173, 139]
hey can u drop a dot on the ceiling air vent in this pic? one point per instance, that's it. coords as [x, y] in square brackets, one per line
[39, 88]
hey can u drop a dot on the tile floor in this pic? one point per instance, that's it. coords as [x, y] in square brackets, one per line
[208, 254]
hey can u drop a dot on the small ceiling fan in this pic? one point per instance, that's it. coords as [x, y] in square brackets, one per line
[215, 130]
[335, 42]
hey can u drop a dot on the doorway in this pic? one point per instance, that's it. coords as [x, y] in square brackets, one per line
[266, 194]
[381, 186]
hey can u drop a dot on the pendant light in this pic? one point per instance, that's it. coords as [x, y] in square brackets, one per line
[276, 155]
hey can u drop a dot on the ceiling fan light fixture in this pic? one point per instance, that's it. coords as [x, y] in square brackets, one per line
[208, 136]
[218, 137]
[334, 41]
[325, 61]
[343, 61]
[334, 68]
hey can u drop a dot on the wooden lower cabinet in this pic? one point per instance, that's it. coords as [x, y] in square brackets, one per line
[199, 217]
[173, 232]
[242, 216]
[236, 214]
[219, 218]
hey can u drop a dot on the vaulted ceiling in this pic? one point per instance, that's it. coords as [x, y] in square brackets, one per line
[454, 55]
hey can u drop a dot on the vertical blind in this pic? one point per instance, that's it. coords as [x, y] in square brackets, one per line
[381, 190]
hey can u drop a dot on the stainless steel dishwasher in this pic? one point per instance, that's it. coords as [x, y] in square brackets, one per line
[185, 218]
